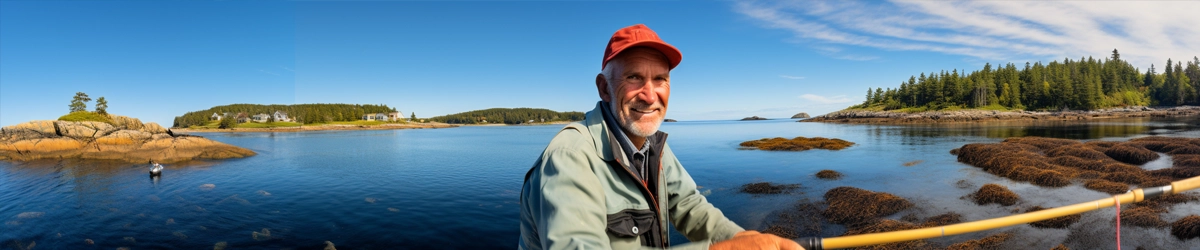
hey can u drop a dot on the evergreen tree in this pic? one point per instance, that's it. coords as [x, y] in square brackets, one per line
[101, 106]
[79, 103]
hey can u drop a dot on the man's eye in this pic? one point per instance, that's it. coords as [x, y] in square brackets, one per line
[633, 77]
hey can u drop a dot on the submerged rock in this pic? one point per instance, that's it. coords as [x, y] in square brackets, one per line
[768, 188]
[265, 234]
[754, 118]
[30, 215]
[125, 139]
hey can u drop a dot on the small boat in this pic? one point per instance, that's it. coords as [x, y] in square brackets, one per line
[156, 169]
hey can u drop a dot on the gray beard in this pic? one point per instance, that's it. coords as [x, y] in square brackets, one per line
[629, 126]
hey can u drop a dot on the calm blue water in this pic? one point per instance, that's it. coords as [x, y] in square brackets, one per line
[459, 187]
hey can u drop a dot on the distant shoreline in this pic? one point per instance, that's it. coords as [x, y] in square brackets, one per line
[523, 124]
[976, 116]
[327, 127]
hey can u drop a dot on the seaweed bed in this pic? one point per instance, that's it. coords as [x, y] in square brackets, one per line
[797, 144]
[768, 188]
[1105, 166]
[854, 206]
[1186, 228]
[829, 174]
[994, 193]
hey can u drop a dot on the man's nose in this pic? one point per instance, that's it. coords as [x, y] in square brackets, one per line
[646, 93]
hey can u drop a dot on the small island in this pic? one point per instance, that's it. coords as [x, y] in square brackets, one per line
[754, 118]
[1069, 90]
[98, 135]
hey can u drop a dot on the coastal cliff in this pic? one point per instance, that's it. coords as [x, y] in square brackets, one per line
[967, 116]
[124, 139]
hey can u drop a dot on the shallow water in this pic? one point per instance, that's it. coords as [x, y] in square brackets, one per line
[458, 188]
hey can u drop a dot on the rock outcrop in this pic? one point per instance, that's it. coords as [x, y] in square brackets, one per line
[754, 118]
[125, 139]
[800, 115]
[891, 117]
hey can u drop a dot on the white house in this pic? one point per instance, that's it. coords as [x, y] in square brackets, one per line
[381, 117]
[262, 117]
[395, 116]
[215, 117]
[281, 116]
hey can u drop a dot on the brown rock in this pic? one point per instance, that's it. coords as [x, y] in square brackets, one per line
[101, 141]
[42, 127]
[153, 128]
[125, 122]
[83, 130]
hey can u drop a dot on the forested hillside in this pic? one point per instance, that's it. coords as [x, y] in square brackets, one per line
[509, 116]
[303, 113]
[1084, 84]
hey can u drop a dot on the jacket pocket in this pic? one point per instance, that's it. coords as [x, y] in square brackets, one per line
[630, 222]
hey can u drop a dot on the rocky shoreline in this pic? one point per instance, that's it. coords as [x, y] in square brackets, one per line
[321, 128]
[124, 140]
[970, 116]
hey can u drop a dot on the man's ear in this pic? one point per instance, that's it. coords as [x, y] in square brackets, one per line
[602, 87]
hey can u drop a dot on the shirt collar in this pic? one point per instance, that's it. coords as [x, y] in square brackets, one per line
[626, 144]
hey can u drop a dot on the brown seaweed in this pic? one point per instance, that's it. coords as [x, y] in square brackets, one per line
[990, 242]
[768, 188]
[797, 144]
[995, 193]
[1186, 228]
[1106, 186]
[829, 174]
[851, 205]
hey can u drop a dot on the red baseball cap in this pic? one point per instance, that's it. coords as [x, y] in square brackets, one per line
[639, 36]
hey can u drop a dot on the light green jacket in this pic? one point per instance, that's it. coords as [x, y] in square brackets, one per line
[580, 195]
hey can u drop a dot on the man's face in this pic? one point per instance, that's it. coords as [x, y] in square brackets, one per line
[640, 87]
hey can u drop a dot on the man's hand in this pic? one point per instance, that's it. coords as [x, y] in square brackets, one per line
[753, 240]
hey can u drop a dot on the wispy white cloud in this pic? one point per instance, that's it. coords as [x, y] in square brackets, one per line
[791, 77]
[1145, 31]
[826, 100]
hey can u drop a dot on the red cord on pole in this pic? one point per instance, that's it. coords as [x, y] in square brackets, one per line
[1118, 206]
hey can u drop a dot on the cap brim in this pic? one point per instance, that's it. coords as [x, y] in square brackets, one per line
[673, 55]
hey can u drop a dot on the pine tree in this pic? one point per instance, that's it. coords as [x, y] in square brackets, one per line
[79, 103]
[101, 106]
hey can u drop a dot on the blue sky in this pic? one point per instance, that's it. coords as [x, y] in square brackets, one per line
[159, 59]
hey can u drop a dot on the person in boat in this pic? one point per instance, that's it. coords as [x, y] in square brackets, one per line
[611, 181]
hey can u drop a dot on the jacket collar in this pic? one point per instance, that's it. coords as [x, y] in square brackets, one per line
[602, 136]
[606, 142]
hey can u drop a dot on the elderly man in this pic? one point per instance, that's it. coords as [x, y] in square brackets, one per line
[611, 181]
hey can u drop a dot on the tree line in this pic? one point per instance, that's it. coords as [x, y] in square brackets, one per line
[302, 113]
[509, 116]
[1083, 84]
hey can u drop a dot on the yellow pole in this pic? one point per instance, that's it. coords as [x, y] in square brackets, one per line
[1136, 195]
